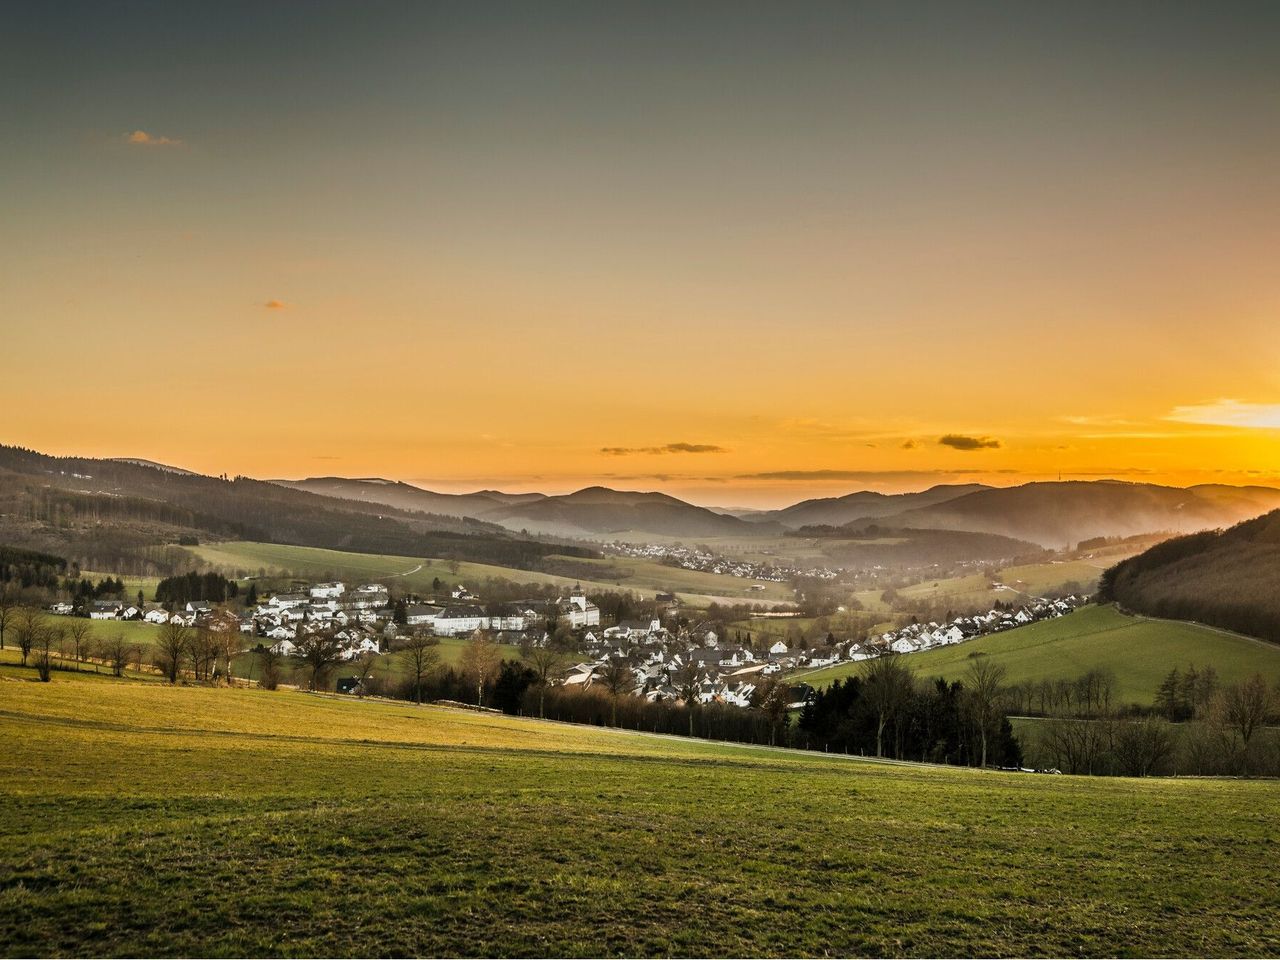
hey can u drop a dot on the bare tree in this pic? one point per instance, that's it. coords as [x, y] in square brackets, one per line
[616, 677]
[983, 682]
[169, 650]
[319, 652]
[365, 662]
[419, 653]
[271, 660]
[8, 608]
[227, 639]
[202, 647]
[29, 623]
[1142, 746]
[480, 660]
[1246, 706]
[45, 639]
[685, 681]
[79, 633]
[887, 684]
[546, 660]
[118, 653]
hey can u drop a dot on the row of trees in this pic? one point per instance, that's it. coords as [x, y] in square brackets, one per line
[888, 711]
[47, 643]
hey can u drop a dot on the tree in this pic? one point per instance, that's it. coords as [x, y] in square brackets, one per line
[8, 609]
[773, 699]
[617, 678]
[270, 668]
[545, 660]
[45, 638]
[28, 625]
[79, 632]
[170, 649]
[886, 684]
[319, 652]
[685, 680]
[202, 647]
[227, 639]
[118, 653]
[1246, 706]
[480, 661]
[983, 681]
[420, 654]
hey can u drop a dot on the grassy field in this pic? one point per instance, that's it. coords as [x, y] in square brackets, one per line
[146, 820]
[1139, 651]
[643, 576]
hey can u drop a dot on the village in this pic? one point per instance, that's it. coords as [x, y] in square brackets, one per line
[694, 558]
[671, 655]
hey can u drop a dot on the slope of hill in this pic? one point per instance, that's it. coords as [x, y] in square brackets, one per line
[599, 511]
[404, 496]
[877, 546]
[107, 514]
[330, 826]
[1140, 652]
[1228, 578]
[1058, 515]
[863, 505]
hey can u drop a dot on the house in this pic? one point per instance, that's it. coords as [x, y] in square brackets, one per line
[327, 591]
[62, 608]
[199, 607]
[779, 649]
[420, 614]
[154, 613]
[105, 610]
[284, 647]
[456, 621]
[287, 601]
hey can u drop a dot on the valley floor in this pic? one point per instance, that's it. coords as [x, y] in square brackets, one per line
[147, 820]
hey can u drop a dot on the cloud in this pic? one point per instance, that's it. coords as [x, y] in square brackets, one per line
[958, 441]
[276, 305]
[1229, 413]
[908, 445]
[143, 139]
[666, 448]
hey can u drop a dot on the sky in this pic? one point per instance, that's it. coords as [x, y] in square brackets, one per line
[741, 253]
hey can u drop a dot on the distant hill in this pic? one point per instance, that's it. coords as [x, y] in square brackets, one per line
[863, 505]
[1058, 515]
[404, 496]
[1228, 578]
[876, 546]
[602, 512]
[118, 515]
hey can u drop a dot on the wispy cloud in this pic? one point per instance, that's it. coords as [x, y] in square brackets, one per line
[908, 444]
[141, 138]
[1229, 413]
[958, 441]
[664, 449]
[276, 305]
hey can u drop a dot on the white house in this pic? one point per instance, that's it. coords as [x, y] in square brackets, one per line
[327, 591]
[455, 621]
[579, 611]
[779, 649]
[104, 610]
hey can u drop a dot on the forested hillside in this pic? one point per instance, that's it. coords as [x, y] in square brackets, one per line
[1228, 578]
[113, 515]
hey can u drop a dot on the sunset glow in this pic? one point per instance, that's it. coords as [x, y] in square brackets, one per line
[728, 253]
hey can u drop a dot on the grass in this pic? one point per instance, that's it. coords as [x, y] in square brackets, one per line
[1138, 650]
[417, 574]
[146, 820]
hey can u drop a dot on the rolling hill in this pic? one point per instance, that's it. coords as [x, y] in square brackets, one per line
[202, 821]
[599, 511]
[116, 515]
[862, 505]
[405, 496]
[1058, 515]
[1228, 578]
[1139, 651]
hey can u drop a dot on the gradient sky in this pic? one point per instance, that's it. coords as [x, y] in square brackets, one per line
[741, 253]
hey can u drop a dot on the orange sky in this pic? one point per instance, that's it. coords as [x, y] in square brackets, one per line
[740, 272]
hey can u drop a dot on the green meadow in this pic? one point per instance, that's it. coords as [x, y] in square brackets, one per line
[417, 574]
[1138, 650]
[141, 819]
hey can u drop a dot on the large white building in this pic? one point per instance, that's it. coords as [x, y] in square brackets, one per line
[579, 611]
